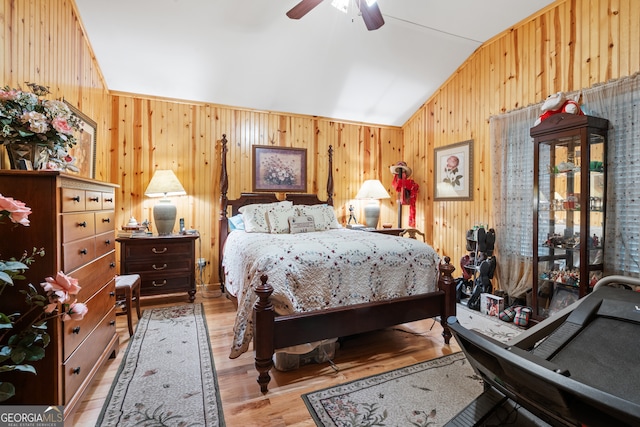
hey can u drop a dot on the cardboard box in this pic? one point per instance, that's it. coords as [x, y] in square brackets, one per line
[490, 304]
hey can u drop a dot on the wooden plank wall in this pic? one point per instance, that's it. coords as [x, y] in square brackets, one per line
[44, 42]
[572, 44]
[150, 134]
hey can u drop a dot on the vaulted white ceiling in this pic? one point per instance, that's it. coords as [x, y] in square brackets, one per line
[249, 54]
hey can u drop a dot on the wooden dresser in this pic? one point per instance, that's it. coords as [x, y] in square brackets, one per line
[73, 220]
[166, 264]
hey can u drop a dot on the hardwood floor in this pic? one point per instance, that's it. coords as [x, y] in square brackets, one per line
[243, 404]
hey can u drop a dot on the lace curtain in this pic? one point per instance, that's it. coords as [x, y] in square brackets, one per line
[617, 101]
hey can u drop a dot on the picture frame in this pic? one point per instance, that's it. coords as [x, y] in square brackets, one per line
[279, 169]
[84, 152]
[562, 297]
[453, 171]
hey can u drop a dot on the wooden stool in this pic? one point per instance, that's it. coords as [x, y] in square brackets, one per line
[127, 291]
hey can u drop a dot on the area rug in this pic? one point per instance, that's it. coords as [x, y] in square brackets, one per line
[425, 394]
[167, 375]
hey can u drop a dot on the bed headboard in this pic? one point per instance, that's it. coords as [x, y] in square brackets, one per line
[232, 205]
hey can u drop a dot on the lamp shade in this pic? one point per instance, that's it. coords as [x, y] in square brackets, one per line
[164, 183]
[373, 190]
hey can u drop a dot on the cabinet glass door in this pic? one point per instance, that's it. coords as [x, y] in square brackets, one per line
[568, 216]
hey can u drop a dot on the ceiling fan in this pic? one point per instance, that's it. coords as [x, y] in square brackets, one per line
[368, 9]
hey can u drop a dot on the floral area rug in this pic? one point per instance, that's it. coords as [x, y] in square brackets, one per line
[425, 394]
[167, 376]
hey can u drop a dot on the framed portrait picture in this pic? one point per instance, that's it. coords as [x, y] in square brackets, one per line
[279, 169]
[84, 152]
[453, 171]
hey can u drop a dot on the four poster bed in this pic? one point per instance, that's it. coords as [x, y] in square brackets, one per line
[295, 285]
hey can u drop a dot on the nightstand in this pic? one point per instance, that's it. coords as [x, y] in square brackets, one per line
[389, 231]
[166, 264]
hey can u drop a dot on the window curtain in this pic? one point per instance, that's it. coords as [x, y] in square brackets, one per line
[617, 101]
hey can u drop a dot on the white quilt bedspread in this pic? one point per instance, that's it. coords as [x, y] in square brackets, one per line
[325, 269]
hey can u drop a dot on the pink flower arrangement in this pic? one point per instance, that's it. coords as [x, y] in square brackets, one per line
[25, 118]
[23, 336]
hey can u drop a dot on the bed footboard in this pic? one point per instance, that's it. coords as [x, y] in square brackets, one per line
[271, 331]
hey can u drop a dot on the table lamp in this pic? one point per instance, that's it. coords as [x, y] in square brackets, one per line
[373, 190]
[163, 184]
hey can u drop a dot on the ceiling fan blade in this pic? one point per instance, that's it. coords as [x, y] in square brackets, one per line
[371, 15]
[302, 8]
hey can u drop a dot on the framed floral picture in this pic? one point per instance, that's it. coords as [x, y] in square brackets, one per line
[453, 172]
[279, 169]
[84, 152]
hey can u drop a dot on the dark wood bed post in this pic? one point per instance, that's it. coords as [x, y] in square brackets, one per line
[447, 284]
[330, 178]
[264, 315]
[224, 224]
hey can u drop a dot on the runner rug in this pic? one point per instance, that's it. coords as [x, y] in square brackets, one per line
[167, 375]
[425, 394]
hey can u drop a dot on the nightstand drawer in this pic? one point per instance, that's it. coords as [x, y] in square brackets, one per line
[160, 248]
[164, 284]
[161, 265]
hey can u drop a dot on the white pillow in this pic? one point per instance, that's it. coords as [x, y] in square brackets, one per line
[278, 218]
[255, 216]
[323, 216]
[301, 224]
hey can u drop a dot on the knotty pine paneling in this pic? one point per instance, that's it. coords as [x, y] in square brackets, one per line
[160, 134]
[570, 45]
[44, 42]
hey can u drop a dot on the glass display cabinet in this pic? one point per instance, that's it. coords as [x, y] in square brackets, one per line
[569, 209]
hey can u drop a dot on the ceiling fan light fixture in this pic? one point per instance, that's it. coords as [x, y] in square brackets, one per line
[341, 5]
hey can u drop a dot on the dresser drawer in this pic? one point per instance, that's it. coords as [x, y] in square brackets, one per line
[76, 331]
[157, 249]
[93, 200]
[84, 359]
[78, 225]
[73, 200]
[104, 221]
[105, 242]
[77, 253]
[108, 201]
[93, 276]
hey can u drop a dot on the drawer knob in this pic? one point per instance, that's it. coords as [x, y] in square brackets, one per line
[112, 265]
[76, 199]
[108, 200]
[164, 282]
[112, 294]
[107, 242]
[76, 330]
[106, 219]
[156, 251]
[94, 199]
[112, 323]
[82, 224]
[84, 251]
[76, 371]
[159, 268]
